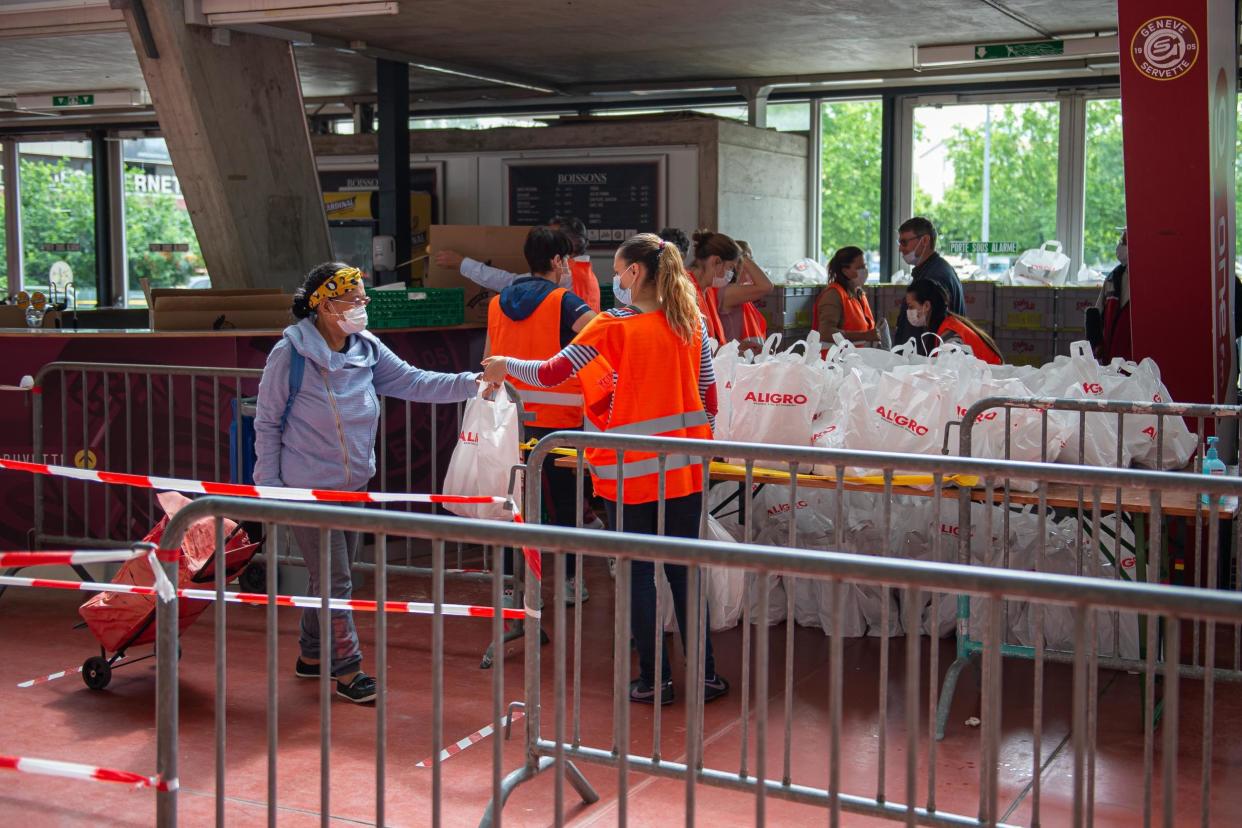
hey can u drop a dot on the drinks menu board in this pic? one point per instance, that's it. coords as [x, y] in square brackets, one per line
[614, 199]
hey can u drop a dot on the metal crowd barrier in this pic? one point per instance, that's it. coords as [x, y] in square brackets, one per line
[911, 582]
[1144, 520]
[175, 420]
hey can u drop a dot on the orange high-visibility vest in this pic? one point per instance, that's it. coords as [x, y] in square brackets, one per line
[538, 336]
[645, 381]
[586, 286]
[968, 336]
[856, 312]
[707, 309]
[754, 326]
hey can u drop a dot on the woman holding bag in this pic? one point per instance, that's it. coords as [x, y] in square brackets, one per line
[317, 413]
[646, 369]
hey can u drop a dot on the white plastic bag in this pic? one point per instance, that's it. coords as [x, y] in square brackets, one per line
[724, 364]
[723, 587]
[1045, 265]
[1174, 449]
[487, 449]
[774, 399]
[805, 272]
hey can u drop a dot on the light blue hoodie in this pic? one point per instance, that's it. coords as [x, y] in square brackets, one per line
[329, 439]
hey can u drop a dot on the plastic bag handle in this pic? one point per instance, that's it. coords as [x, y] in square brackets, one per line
[1052, 244]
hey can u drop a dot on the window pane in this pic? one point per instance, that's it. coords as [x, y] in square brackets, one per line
[58, 217]
[1105, 185]
[160, 244]
[1011, 198]
[851, 179]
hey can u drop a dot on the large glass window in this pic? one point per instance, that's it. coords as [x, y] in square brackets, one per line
[851, 178]
[4, 238]
[1105, 185]
[988, 173]
[160, 244]
[58, 218]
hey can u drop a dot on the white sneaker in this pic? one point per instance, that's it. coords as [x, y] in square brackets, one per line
[612, 568]
[595, 523]
[571, 591]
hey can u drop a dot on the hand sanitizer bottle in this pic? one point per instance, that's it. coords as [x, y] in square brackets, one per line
[1212, 464]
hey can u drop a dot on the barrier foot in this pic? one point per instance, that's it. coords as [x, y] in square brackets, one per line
[946, 693]
[518, 631]
[527, 772]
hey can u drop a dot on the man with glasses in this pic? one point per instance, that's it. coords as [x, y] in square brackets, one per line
[916, 241]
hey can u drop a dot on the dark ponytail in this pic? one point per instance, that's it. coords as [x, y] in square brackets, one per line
[319, 274]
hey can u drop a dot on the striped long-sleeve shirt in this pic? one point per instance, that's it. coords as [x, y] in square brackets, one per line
[574, 357]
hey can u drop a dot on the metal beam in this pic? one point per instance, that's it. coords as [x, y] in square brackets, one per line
[815, 181]
[103, 185]
[12, 215]
[756, 104]
[1018, 17]
[393, 82]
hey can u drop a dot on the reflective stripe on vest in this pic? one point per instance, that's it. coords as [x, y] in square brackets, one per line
[531, 395]
[638, 468]
[658, 425]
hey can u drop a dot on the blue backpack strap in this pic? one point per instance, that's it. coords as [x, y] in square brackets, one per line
[297, 367]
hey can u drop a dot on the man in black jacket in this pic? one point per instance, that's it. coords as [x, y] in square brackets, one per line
[916, 241]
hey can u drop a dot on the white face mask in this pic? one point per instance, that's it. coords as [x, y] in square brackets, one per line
[912, 258]
[567, 275]
[621, 295]
[353, 321]
[916, 317]
[723, 279]
[1123, 254]
[860, 277]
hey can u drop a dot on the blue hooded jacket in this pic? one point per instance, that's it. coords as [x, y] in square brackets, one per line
[328, 441]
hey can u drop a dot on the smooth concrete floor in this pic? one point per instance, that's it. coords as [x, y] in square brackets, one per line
[114, 728]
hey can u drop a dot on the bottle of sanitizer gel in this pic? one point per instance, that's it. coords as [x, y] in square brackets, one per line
[1212, 464]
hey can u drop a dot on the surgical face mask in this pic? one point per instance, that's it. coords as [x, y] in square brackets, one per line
[353, 320]
[621, 295]
[860, 277]
[567, 275]
[916, 317]
[912, 258]
[1123, 254]
[723, 279]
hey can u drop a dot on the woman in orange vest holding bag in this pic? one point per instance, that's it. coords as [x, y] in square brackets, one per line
[646, 369]
[927, 308]
[731, 283]
[842, 306]
[533, 318]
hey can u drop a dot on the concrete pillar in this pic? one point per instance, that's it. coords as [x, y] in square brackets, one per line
[393, 86]
[233, 117]
[1179, 116]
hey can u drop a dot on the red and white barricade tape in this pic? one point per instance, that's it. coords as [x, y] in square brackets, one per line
[68, 671]
[72, 770]
[473, 739]
[258, 598]
[67, 558]
[174, 484]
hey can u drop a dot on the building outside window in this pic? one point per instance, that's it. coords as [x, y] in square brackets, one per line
[160, 244]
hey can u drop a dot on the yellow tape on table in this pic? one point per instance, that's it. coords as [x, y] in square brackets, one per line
[762, 475]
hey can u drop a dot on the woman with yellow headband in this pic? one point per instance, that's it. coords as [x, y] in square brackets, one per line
[318, 412]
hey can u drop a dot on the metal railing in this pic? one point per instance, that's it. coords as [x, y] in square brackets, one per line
[912, 583]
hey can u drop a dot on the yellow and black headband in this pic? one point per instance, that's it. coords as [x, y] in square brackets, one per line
[339, 284]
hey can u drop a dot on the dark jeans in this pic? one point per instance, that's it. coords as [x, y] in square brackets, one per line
[559, 497]
[681, 520]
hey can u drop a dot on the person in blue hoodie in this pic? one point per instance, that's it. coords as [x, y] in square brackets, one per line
[317, 415]
[535, 318]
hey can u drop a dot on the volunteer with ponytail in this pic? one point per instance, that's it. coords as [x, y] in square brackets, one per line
[731, 282]
[842, 306]
[927, 308]
[317, 414]
[533, 318]
[645, 369]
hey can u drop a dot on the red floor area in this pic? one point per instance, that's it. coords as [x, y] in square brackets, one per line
[115, 728]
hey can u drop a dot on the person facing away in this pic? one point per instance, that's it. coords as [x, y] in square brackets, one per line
[842, 306]
[1108, 322]
[317, 413]
[577, 274]
[646, 370]
[916, 241]
[730, 282]
[534, 318]
[711, 318]
[927, 310]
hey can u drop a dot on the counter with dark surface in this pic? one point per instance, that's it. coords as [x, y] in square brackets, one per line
[95, 429]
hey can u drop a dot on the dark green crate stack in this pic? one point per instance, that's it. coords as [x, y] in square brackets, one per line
[416, 307]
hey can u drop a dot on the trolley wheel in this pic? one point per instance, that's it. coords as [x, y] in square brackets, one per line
[254, 578]
[96, 672]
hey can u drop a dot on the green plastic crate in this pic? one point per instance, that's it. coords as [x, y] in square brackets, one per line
[417, 307]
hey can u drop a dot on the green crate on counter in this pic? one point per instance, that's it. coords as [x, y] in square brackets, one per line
[416, 307]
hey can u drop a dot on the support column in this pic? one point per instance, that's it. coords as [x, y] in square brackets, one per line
[756, 104]
[233, 116]
[12, 216]
[393, 94]
[1179, 120]
[104, 185]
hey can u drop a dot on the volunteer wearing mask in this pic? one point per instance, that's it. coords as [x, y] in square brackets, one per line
[318, 410]
[927, 310]
[533, 318]
[645, 369]
[842, 307]
[916, 241]
[576, 274]
[1108, 323]
[731, 282]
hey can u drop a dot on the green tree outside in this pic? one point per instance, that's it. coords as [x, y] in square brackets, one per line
[851, 176]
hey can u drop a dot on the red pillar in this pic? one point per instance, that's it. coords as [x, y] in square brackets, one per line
[1179, 122]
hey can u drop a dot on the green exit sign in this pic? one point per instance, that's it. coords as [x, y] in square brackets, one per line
[73, 100]
[1036, 48]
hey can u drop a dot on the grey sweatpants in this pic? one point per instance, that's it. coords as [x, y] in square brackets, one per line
[342, 548]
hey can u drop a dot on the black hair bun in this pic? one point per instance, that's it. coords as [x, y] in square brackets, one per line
[301, 305]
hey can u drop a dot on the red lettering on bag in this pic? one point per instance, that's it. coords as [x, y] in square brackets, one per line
[823, 433]
[1093, 388]
[782, 508]
[987, 415]
[902, 421]
[1128, 563]
[468, 437]
[768, 398]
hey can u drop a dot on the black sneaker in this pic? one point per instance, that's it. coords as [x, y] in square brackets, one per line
[359, 691]
[714, 688]
[644, 693]
[304, 670]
